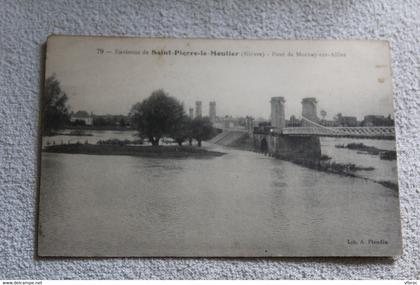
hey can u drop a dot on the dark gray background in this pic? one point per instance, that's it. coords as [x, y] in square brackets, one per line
[25, 25]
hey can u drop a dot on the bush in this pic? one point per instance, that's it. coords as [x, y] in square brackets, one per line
[119, 142]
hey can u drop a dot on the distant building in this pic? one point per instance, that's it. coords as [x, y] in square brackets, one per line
[249, 123]
[228, 122]
[212, 111]
[348, 121]
[329, 123]
[191, 113]
[377, 120]
[82, 116]
[198, 110]
[293, 122]
[263, 126]
[261, 121]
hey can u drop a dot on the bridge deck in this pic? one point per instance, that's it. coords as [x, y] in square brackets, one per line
[354, 132]
[314, 129]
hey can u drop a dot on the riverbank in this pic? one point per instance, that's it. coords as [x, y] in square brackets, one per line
[342, 169]
[145, 151]
[325, 163]
[77, 133]
[365, 149]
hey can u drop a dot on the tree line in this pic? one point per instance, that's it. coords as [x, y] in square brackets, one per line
[54, 108]
[161, 115]
[156, 117]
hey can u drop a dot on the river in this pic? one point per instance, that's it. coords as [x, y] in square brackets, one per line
[384, 170]
[239, 204]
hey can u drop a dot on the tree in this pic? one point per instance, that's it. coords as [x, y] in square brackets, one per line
[202, 129]
[55, 110]
[181, 131]
[389, 120]
[338, 117]
[323, 114]
[156, 116]
[99, 121]
[79, 123]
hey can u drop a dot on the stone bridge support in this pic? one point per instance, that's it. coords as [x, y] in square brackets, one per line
[278, 117]
[288, 147]
[309, 109]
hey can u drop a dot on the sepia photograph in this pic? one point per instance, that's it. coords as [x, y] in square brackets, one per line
[211, 147]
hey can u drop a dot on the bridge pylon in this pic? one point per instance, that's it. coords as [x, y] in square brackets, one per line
[309, 109]
[278, 117]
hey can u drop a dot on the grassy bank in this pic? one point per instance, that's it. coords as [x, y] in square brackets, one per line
[145, 151]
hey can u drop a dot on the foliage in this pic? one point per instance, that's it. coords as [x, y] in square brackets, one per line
[110, 120]
[202, 129]
[372, 120]
[156, 116]
[79, 123]
[181, 131]
[337, 117]
[55, 110]
[323, 114]
[120, 142]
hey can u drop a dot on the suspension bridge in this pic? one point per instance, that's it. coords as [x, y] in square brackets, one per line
[298, 140]
[311, 128]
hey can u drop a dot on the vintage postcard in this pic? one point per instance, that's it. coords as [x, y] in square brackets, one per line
[195, 147]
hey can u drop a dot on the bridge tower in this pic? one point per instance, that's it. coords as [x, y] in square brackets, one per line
[278, 118]
[198, 112]
[212, 111]
[191, 113]
[309, 111]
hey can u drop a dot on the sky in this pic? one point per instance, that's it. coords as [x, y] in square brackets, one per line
[108, 75]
